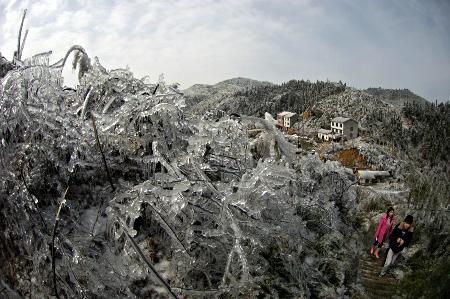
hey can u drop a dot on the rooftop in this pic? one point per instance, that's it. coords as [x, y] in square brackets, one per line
[324, 131]
[341, 119]
[290, 114]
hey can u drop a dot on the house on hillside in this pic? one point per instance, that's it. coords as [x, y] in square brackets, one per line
[280, 118]
[346, 127]
[286, 119]
[366, 177]
[327, 135]
[340, 127]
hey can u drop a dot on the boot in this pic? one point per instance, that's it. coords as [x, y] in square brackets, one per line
[372, 249]
[376, 253]
[384, 270]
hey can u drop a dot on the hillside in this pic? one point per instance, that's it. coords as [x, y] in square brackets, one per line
[258, 97]
[211, 95]
[253, 97]
[324, 100]
[381, 113]
[396, 97]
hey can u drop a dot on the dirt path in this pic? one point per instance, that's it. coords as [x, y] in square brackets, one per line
[375, 286]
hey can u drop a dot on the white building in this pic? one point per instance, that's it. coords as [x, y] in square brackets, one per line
[286, 119]
[327, 135]
[289, 119]
[280, 118]
[345, 126]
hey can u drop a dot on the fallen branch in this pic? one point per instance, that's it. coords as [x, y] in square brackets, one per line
[53, 242]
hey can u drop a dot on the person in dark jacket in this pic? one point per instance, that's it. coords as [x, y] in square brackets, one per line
[400, 238]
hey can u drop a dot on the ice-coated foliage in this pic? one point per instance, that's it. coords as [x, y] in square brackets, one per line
[219, 211]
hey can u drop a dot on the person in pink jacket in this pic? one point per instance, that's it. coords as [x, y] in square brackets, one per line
[383, 231]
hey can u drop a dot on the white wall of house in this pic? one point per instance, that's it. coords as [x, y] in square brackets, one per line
[287, 122]
[326, 137]
[337, 127]
[280, 118]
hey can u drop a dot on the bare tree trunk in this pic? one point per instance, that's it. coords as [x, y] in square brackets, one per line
[23, 44]
[20, 35]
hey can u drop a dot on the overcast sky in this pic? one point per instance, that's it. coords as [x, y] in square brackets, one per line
[392, 44]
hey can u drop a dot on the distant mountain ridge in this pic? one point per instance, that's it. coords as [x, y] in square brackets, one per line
[252, 97]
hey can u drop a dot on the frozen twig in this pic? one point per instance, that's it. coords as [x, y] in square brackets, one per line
[73, 48]
[86, 97]
[154, 91]
[34, 203]
[101, 152]
[53, 242]
[141, 254]
[170, 230]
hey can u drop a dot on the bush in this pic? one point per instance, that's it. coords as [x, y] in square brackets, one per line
[428, 279]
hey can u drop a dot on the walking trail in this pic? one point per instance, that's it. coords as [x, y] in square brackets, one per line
[376, 286]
